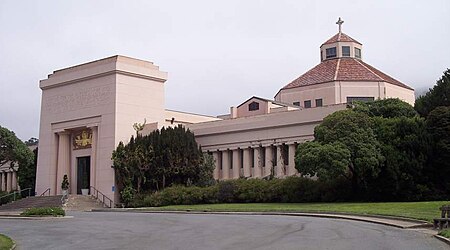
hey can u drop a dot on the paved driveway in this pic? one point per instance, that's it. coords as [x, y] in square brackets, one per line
[110, 230]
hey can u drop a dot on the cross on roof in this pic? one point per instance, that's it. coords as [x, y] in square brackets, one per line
[340, 22]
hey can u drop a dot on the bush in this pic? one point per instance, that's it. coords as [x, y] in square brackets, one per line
[44, 211]
[290, 189]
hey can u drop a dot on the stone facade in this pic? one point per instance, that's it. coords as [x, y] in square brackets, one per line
[88, 109]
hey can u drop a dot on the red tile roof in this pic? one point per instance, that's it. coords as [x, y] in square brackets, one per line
[340, 37]
[343, 69]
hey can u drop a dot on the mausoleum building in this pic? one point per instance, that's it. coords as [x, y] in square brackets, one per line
[89, 108]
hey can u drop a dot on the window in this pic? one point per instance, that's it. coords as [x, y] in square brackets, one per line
[357, 53]
[230, 158]
[319, 102]
[252, 157]
[307, 104]
[331, 52]
[253, 106]
[296, 103]
[345, 50]
[351, 99]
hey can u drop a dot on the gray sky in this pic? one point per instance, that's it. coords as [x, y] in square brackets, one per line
[217, 53]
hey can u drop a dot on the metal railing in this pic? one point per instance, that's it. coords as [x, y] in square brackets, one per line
[46, 191]
[107, 202]
[14, 195]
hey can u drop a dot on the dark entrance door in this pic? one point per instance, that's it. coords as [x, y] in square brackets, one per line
[83, 173]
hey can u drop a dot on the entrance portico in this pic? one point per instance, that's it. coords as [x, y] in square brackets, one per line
[86, 111]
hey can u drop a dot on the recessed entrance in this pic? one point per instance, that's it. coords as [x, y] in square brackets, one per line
[83, 173]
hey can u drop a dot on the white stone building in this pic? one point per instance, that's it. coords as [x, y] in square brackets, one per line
[89, 108]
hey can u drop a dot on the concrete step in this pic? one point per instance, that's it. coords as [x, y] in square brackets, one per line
[34, 201]
[82, 203]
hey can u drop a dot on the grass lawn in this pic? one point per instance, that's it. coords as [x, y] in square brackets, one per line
[5, 242]
[426, 210]
[445, 233]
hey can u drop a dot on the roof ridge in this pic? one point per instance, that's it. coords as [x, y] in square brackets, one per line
[381, 78]
[337, 69]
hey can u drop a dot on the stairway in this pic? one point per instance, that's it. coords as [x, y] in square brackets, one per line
[82, 203]
[34, 201]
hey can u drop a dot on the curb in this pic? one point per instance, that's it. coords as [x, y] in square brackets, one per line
[363, 218]
[443, 239]
[13, 217]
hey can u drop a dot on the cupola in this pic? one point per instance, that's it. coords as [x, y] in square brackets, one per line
[340, 46]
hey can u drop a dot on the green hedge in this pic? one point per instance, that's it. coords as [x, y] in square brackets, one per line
[291, 189]
[44, 211]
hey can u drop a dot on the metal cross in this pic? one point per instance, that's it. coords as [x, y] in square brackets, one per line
[340, 22]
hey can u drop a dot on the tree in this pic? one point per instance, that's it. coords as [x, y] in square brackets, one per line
[437, 96]
[163, 158]
[387, 108]
[404, 143]
[344, 138]
[14, 152]
[438, 127]
[27, 173]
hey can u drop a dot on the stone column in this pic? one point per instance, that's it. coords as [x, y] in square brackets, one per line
[216, 165]
[279, 169]
[257, 162]
[63, 159]
[8, 181]
[14, 180]
[269, 160]
[225, 165]
[3, 181]
[236, 165]
[93, 169]
[292, 170]
[247, 162]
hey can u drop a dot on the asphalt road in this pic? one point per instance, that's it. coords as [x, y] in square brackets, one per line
[110, 230]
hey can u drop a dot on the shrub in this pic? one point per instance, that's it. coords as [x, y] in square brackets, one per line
[290, 189]
[44, 211]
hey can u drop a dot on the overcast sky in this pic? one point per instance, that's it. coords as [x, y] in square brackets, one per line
[217, 53]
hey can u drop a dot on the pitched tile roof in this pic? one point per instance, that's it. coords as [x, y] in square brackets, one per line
[340, 37]
[343, 69]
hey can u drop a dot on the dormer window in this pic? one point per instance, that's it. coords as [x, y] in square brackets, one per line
[357, 53]
[331, 52]
[345, 50]
[253, 106]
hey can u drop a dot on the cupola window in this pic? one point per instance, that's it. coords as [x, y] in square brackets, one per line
[331, 52]
[253, 106]
[357, 53]
[345, 50]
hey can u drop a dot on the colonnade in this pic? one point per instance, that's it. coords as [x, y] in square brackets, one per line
[8, 181]
[255, 161]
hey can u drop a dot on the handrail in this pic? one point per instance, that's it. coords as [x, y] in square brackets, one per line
[103, 197]
[47, 190]
[16, 192]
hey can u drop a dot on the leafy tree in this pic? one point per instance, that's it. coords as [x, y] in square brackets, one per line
[387, 108]
[341, 134]
[27, 173]
[163, 158]
[438, 127]
[325, 161]
[15, 153]
[437, 96]
[404, 144]
[205, 173]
